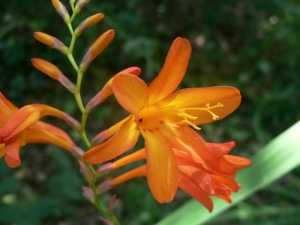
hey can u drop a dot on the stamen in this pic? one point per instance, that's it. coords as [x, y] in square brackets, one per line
[208, 109]
[192, 124]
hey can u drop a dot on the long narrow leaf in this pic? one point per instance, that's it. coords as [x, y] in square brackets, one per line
[275, 160]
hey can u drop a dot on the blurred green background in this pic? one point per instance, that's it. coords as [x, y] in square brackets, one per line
[252, 45]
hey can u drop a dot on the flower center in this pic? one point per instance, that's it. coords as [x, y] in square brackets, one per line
[153, 117]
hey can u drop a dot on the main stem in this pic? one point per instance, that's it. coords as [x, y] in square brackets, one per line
[84, 117]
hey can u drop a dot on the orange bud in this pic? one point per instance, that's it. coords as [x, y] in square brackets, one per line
[100, 44]
[80, 4]
[90, 21]
[61, 10]
[51, 41]
[53, 72]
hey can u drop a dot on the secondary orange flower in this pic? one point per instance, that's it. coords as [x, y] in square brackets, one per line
[163, 118]
[21, 126]
[193, 178]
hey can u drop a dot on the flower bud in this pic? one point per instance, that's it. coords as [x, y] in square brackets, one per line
[77, 152]
[88, 22]
[104, 186]
[61, 10]
[51, 41]
[86, 173]
[100, 44]
[80, 4]
[89, 194]
[53, 72]
[106, 168]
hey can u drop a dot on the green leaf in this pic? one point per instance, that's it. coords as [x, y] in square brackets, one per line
[275, 160]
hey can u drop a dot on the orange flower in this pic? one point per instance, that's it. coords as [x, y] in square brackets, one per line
[163, 118]
[21, 126]
[193, 178]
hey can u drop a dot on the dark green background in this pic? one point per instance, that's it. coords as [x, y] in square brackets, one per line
[252, 45]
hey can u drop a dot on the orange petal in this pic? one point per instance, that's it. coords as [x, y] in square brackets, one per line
[122, 141]
[25, 117]
[99, 138]
[6, 109]
[195, 174]
[222, 193]
[195, 191]
[107, 89]
[131, 92]
[46, 133]
[2, 149]
[221, 149]
[133, 157]
[187, 140]
[204, 102]
[227, 181]
[137, 172]
[172, 72]
[238, 162]
[162, 169]
[224, 167]
[12, 149]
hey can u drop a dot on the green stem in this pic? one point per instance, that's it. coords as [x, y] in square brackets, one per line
[84, 117]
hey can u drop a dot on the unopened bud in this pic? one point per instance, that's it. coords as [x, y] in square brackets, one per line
[80, 4]
[88, 22]
[106, 221]
[104, 186]
[106, 168]
[84, 170]
[89, 194]
[114, 201]
[53, 72]
[100, 44]
[51, 41]
[61, 10]
[77, 152]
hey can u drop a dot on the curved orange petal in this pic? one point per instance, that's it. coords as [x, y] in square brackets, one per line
[187, 140]
[195, 191]
[172, 72]
[238, 162]
[107, 89]
[224, 180]
[131, 92]
[2, 149]
[221, 149]
[204, 102]
[133, 157]
[6, 109]
[99, 138]
[123, 140]
[162, 169]
[137, 172]
[12, 149]
[25, 117]
[46, 133]
[195, 174]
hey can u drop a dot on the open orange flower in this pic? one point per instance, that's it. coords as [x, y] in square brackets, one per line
[21, 126]
[193, 178]
[163, 118]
